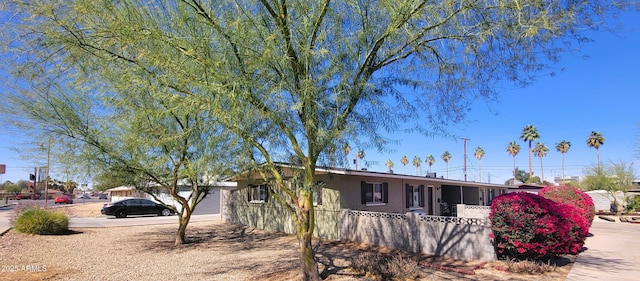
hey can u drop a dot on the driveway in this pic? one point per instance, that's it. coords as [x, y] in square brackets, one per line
[613, 253]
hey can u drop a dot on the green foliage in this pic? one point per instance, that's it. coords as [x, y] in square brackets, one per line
[613, 178]
[11, 188]
[534, 179]
[522, 175]
[633, 203]
[35, 220]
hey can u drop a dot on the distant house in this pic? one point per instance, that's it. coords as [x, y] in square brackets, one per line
[252, 204]
[124, 192]
[210, 205]
[526, 187]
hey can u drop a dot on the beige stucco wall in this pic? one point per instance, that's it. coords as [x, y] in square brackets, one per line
[271, 215]
[457, 238]
[349, 187]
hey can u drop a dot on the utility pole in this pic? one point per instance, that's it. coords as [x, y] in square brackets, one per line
[46, 179]
[465, 158]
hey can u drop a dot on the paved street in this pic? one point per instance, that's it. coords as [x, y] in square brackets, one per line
[109, 221]
[613, 253]
[104, 221]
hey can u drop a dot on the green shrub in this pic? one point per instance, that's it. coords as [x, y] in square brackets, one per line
[40, 221]
[633, 203]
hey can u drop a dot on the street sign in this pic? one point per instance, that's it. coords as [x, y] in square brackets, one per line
[3, 169]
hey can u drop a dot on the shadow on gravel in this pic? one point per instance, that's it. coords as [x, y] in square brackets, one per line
[241, 238]
[65, 233]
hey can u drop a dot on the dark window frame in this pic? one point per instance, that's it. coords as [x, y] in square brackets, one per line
[367, 193]
[255, 196]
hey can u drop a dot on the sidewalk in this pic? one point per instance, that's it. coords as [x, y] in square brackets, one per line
[613, 253]
[4, 220]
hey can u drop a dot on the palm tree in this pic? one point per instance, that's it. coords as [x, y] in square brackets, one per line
[513, 148]
[359, 155]
[446, 156]
[563, 147]
[347, 151]
[479, 153]
[540, 150]
[416, 163]
[595, 140]
[389, 165]
[405, 161]
[430, 161]
[529, 134]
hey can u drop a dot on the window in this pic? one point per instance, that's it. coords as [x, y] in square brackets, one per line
[258, 193]
[414, 196]
[374, 193]
[492, 194]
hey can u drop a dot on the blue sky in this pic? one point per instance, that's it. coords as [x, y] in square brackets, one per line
[599, 92]
[597, 89]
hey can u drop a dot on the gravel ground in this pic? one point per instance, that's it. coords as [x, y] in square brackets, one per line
[216, 251]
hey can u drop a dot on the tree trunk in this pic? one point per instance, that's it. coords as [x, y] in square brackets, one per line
[305, 223]
[530, 165]
[562, 167]
[541, 171]
[308, 263]
[183, 221]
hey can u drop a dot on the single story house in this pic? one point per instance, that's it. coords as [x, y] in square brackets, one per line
[251, 204]
[124, 192]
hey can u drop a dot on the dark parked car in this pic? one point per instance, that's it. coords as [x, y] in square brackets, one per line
[123, 208]
[102, 196]
[63, 199]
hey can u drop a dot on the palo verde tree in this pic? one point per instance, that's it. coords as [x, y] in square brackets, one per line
[298, 77]
[143, 138]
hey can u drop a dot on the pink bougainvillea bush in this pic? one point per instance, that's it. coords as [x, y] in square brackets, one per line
[572, 196]
[528, 226]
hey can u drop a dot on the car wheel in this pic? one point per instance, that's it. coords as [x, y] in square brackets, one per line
[166, 212]
[121, 214]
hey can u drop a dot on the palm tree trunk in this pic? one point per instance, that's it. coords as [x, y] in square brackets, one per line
[530, 165]
[598, 155]
[562, 166]
[447, 169]
[542, 170]
[514, 171]
[480, 170]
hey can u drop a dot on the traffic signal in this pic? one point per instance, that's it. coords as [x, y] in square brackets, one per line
[32, 177]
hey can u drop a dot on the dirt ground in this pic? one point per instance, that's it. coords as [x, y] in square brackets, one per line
[84, 209]
[244, 245]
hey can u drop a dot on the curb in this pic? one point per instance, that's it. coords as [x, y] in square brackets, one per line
[5, 231]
